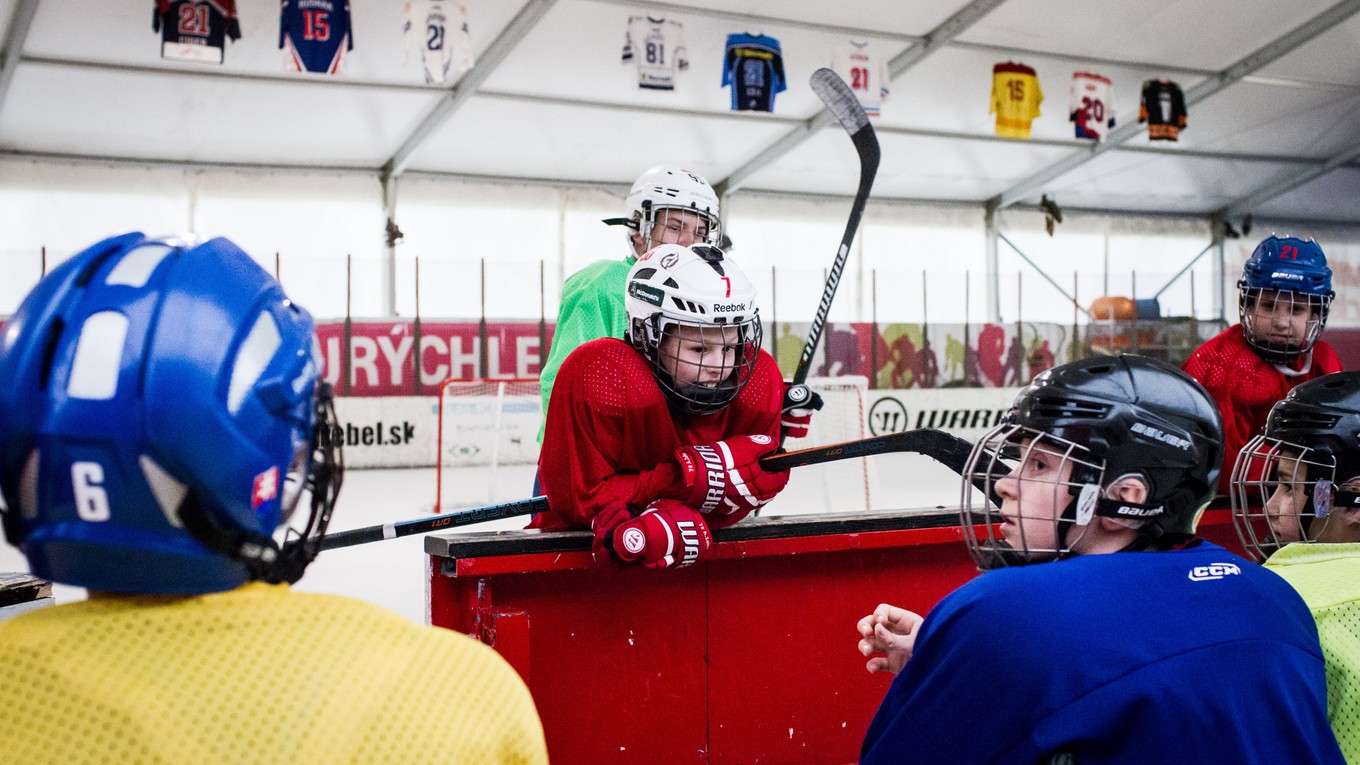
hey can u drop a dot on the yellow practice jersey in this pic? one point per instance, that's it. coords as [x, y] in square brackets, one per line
[1327, 576]
[1015, 99]
[254, 675]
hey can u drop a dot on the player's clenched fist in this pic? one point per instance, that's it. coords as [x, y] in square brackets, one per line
[800, 402]
[668, 534]
[726, 479]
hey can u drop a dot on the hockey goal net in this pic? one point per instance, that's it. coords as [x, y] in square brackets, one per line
[488, 446]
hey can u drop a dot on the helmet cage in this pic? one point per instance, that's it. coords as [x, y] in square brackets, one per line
[1047, 498]
[661, 222]
[1269, 513]
[1256, 327]
[649, 337]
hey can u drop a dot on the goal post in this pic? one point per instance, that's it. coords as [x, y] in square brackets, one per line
[488, 446]
[484, 426]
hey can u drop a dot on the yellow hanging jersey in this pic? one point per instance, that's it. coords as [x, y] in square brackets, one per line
[1015, 99]
[1327, 576]
[255, 675]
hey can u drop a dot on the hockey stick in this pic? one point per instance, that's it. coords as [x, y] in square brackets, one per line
[945, 448]
[846, 107]
[433, 523]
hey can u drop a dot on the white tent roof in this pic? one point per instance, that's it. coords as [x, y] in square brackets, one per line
[1274, 90]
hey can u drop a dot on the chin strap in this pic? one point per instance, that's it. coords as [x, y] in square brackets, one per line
[1307, 366]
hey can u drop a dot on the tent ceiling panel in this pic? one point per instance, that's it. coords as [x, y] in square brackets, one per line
[1159, 183]
[1331, 197]
[924, 168]
[527, 140]
[1202, 35]
[166, 117]
[902, 17]
[595, 70]
[561, 106]
[1329, 58]
[1270, 119]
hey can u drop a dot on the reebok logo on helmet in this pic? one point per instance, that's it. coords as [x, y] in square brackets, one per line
[729, 307]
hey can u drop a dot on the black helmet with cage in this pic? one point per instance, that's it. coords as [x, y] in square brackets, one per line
[1305, 465]
[1112, 418]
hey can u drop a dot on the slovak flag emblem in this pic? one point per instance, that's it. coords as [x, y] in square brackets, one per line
[266, 487]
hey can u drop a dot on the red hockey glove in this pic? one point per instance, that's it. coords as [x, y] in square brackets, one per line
[668, 534]
[726, 478]
[800, 402]
[603, 524]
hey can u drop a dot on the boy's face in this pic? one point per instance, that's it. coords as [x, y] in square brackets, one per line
[700, 355]
[1288, 498]
[1033, 497]
[674, 225]
[1281, 318]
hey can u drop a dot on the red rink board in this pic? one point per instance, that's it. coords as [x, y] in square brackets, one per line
[746, 657]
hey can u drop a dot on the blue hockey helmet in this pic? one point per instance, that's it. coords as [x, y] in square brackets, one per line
[1294, 273]
[160, 415]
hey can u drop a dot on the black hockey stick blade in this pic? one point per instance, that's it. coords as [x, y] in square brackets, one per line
[843, 104]
[433, 523]
[945, 448]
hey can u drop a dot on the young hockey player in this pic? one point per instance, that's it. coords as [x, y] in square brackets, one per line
[1125, 625]
[160, 417]
[652, 439]
[666, 205]
[1283, 300]
[1296, 499]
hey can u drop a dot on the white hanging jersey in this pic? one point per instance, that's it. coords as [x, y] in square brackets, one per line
[864, 71]
[438, 31]
[658, 48]
[1092, 108]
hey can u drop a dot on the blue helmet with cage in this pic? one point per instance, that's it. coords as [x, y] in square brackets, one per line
[161, 414]
[1284, 276]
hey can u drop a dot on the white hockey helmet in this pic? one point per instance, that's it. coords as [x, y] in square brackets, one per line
[671, 287]
[669, 187]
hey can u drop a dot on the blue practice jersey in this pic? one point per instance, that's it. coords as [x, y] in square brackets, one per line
[1191, 656]
[754, 67]
[315, 35]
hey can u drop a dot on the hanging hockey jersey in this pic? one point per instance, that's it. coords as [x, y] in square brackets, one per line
[438, 32]
[657, 46]
[754, 68]
[1162, 107]
[1092, 108]
[1015, 99]
[315, 35]
[195, 30]
[866, 72]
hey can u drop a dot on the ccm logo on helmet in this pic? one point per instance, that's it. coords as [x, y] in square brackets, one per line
[1213, 571]
[729, 307]
[1157, 434]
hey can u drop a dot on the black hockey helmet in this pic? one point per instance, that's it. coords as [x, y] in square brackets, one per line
[1318, 427]
[1112, 417]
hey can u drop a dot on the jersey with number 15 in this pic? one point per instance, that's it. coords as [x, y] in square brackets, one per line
[315, 35]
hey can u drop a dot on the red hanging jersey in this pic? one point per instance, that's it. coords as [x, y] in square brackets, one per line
[610, 435]
[1246, 386]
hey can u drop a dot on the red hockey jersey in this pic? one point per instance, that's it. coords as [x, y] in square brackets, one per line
[610, 435]
[1245, 386]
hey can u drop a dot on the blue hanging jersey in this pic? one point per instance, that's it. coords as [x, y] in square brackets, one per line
[315, 35]
[754, 68]
[1190, 656]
